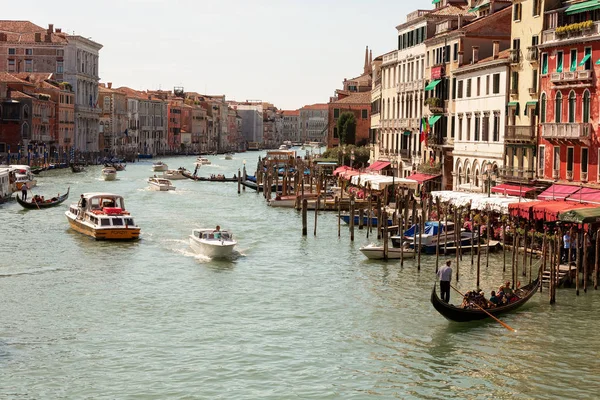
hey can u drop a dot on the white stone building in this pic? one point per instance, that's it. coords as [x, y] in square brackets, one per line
[480, 120]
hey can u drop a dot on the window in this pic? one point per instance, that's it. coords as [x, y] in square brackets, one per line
[336, 113]
[11, 65]
[584, 160]
[460, 124]
[496, 84]
[541, 160]
[573, 60]
[460, 89]
[572, 99]
[447, 54]
[534, 80]
[570, 158]
[468, 128]
[28, 65]
[364, 114]
[335, 132]
[586, 107]
[556, 160]
[514, 87]
[106, 103]
[537, 5]
[59, 67]
[477, 128]
[558, 108]
[559, 61]
[478, 86]
[545, 64]
[588, 58]
[452, 127]
[485, 129]
[12, 51]
[516, 44]
[496, 137]
[468, 88]
[517, 12]
[487, 85]
[543, 108]
[455, 52]
[28, 52]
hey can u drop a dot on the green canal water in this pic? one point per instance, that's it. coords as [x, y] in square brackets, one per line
[289, 317]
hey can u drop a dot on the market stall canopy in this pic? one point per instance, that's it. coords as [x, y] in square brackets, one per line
[349, 173]
[513, 190]
[422, 177]
[558, 192]
[586, 195]
[478, 201]
[380, 182]
[522, 209]
[549, 211]
[582, 216]
[342, 169]
[378, 165]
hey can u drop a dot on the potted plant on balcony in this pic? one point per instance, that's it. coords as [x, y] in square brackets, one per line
[433, 102]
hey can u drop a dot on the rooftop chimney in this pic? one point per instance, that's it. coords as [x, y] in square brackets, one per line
[58, 30]
[50, 28]
[109, 85]
[475, 58]
[496, 48]
[459, 22]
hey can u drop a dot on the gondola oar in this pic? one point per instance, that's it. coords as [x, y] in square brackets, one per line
[483, 309]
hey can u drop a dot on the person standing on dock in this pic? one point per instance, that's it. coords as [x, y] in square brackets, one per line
[445, 276]
[566, 246]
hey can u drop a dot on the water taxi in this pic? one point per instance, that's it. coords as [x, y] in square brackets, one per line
[229, 156]
[202, 161]
[103, 217]
[160, 184]
[22, 176]
[159, 166]
[213, 243]
[109, 173]
[174, 174]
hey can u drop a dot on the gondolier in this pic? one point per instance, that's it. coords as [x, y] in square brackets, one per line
[24, 192]
[445, 276]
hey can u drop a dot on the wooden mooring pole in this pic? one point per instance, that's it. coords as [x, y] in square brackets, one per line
[352, 212]
[304, 217]
[596, 260]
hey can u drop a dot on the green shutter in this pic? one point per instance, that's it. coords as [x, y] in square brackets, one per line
[432, 84]
[435, 1]
[544, 64]
[584, 59]
[573, 62]
[559, 62]
[434, 118]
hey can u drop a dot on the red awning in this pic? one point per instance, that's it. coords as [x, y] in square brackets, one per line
[522, 210]
[349, 173]
[586, 195]
[341, 169]
[378, 165]
[513, 190]
[550, 210]
[422, 177]
[558, 192]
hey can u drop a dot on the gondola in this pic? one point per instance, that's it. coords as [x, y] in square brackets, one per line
[458, 314]
[206, 179]
[77, 168]
[37, 206]
[37, 170]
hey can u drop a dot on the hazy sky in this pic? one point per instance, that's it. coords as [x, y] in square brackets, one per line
[287, 52]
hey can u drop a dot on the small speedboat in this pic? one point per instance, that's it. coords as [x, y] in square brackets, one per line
[174, 174]
[159, 166]
[160, 184]
[202, 161]
[213, 243]
[375, 252]
[228, 156]
[109, 173]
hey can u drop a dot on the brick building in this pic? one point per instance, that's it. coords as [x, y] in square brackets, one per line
[360, 105]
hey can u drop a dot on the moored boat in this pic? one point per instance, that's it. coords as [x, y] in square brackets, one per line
[459, 314]
[160, 184]
[22, 176]
[159, 166]
[346, 219]
[229, 156]
[174, 174]
[77, 168]
[375, 252]
[109, 174]
[213, 243]
[38, 202]
[102, 216]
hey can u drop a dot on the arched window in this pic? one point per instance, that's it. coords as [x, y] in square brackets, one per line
[586, 107]
[558, 108]
[572, 98]
[468, 176]
[25, 111]
[543, 108]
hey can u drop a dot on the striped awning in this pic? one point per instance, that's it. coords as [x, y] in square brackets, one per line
[583, 7]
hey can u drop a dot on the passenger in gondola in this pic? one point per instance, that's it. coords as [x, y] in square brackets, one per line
[494, 301]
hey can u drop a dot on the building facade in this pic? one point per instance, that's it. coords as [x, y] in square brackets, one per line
[313, 123]
[291, 131]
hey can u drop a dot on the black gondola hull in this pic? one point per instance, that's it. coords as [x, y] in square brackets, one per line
[38, 206]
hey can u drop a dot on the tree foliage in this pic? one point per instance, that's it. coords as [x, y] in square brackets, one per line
[346, 127]
[361, 155]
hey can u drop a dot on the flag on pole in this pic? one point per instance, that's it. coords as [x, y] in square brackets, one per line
[424, 129]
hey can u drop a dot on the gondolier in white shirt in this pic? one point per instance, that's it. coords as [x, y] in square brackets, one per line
[445, 276]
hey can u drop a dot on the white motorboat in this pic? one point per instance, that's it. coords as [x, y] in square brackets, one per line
[103, 217]
[202, 161]
[213, 243]
[109, 173]
[159, 166]
[174, 174]
[22, 176]
[229, 156]
[375, 252]
[160, 184]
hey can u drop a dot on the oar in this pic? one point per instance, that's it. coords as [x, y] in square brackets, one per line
[482, 309]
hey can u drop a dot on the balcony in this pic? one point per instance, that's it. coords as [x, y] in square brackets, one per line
[569, 175]
[571, 77]
[514, 91]
[555, 174]
[520, 134]
[532, 91]
[532, 54]
[584, 176]
[567, 132]
[435, 104]
[512, 174]
[514, 56]
[569, 34]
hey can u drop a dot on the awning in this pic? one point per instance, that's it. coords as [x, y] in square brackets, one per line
[582, 215]
[558, 192]
[477, 201]
[514, 104]
[521, 209]
[532, 104]
[380, 182]
[435, 1]
[583, 7]
[598, 62]
[584, 60]
[434, 118]
[378, 165]
[432, 84]
[549, 211]
[513, 190]
[407, 133]
[422, 177]
[585, 195]
[341, 170]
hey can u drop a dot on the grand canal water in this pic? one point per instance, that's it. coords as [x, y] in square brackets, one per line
[290, 317]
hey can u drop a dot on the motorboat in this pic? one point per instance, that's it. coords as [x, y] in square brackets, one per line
[5, 185]
[102, 216]
[202, 161]
[159, 166]
[22, 176]
[213, 243]
[429, 238]
[109, 173]
[229, 156]
[174, 174]
[160, 184]
[375, 252]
